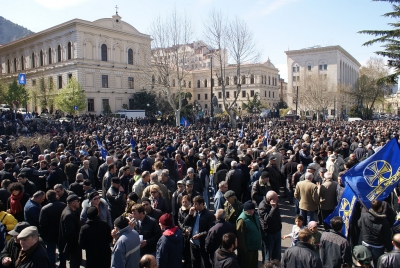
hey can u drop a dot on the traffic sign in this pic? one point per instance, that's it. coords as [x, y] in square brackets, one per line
[22, 79]
[76, 108]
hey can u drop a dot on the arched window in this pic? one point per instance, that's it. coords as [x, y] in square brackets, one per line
[269, 80]
[22, 63]
[235, 80]
[130, 56]
[50, 61]
[205, 82]
[190, 84]
[33, 60]
[243, 79]
[198, 83]
[252, 79]
[103, 52]
[69, 52]
[41, 58]
[59, 53]
[227, 80]
[15, 65]
[8, 67]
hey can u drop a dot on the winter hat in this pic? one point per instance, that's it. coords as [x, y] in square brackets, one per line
[121, 222]
[248, 205]
[166, 220]
[92, 213]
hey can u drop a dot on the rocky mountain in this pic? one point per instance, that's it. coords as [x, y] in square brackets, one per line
[10, 31]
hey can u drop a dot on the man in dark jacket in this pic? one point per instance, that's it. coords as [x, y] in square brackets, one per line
[87, 172]
[170, 245]
[106, 181]
[214, 236]
[376, 231]
[70, 226]
[271, 224]
[335, 250]
[95, 238]
[49, 224]
[260, 188]
[10, 252]
[70, 169]
[200, 219]
[391, 259]
[274, 174]
[77, 187]
[32, 208]
[29, 187]
[147, 227]
[55, 177]
[302, 255]
[116, 198]
[32, 252]
[234, 178]
[225, 256]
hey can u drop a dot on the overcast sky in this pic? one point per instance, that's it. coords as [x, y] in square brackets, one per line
[278, 25]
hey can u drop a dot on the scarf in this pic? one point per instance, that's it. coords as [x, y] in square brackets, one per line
[23, 255]
[15, 203]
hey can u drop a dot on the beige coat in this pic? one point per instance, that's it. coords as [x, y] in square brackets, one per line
[327, 194]
[307, 194]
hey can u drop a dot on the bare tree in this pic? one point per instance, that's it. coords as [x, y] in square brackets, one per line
[230, 40]
[168, 66]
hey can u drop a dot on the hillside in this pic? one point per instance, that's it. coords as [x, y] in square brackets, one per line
[10, 31]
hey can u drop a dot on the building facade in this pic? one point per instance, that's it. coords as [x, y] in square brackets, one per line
[330, 62]
[106, 56]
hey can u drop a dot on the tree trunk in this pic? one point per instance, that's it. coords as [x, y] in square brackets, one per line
[178, 117]
[232, 118]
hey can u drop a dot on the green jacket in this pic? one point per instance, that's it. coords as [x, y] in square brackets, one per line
[248, 232]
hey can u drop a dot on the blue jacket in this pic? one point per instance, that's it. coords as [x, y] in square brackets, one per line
[32, 212]
[169, 248]
[145, 165]
[219, 200]
[126, 251]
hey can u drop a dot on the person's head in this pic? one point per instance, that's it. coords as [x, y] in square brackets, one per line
[115, 182]
[155, 191]
[73, 201]
[185, 201]
[305, 235]
[17, 229]
[328, 176]
[396, 241]
[166, 221]
[313, 226]
[51, 195]
[146, 176]
[223, 186]
[94, 198]
[39, 197]
[337, 223]
[138, 212]
[300, 167]
[190, 172]
[21, 178]
[230, 197]
[28, 237]
[180, 185]
[120, 223]
[87, 184]
[272, 196]
[109, 159]
[376, 205]
[86, 164]
[15, 188]
[220, 215]
[59, 188]
[362, 256]
[299, 220]
[189, 186]
[146, 203]
[309, 176]
[148, 261]
[229, 242]
[264, 177]
[198, 203]
[5, 183]
[79, 177]
[112, 168]
[249, 207]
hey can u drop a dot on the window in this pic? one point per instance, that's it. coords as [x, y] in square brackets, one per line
[105, 103]
[332, 111]
[22, 63]
[219, 105]
[227, 94]
[8, 66]
[298, 78]
[273, 94]
[131, 104]
[269, 80]
[103, 52]
[198, 83]
[33, 82]
[294, 69]
[320, 67]
[33, 60]
[298, 68]
[190, 84]
[104, 81]
[15, 65]
[244, 94]
[60, 83]
[205, 106]
[58, 53]
[219, 95]
[325, 67]
[90, 105]
[49, 56]
[251, 93]
[205, 83]
[69, 51]
[252, 79]
[234, 94]
[269, 94]
[41, 58]
[243, 79]
[309, 67]
[131, 84]
[235, 80]
[51, 84]
[198, 97]
[206, 96]
[130, 56]
[69, 77]
[227, 81]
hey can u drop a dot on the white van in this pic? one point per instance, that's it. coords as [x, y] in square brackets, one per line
[352, 119]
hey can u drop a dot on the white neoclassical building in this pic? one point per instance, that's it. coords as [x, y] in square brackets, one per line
[106, 56]
[331, 62]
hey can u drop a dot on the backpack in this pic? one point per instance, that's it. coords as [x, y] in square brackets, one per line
[3, 233]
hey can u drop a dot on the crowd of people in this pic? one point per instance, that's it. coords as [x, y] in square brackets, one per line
[137, 193]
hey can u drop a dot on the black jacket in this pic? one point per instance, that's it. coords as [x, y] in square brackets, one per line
[259, 190]
[215, 234]
[55, 177]
[235, 179]
[38, 258]
[77, 188]
[301, 256]
[11, 250]
[49, 221]
[375, 229]
[225, 259]
[270, 218]
[335, 250]
[116, 201]
[85, 175]
[206, 221]
[98, 252]
[390, 260]
[151, 233]
[70, 227]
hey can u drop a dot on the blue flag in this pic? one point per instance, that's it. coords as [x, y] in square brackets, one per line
[102, 150]
[266, 138]
[184, 122]
[344, 209]
[376, 176]
[133, 143]
[241, 133]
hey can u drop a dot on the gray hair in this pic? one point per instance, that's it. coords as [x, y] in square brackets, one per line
[165, 172]
[109, 158]
[38, 194]
[233, 164]
[220, 214]
[79, 176]
[58, 186]
[222, 183]
[328, 175]
[309, 176]
[153, 177]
